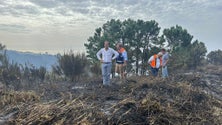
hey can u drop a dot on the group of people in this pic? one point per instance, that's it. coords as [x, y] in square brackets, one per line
[106, 55]
[159, 60]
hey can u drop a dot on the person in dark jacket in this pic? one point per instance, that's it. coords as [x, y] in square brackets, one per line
[121, 61]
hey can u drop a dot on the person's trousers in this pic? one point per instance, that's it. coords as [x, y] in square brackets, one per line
[164, 72]
[154, 71]
[106, 71]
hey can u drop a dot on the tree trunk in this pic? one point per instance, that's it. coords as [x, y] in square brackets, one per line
[137, 66]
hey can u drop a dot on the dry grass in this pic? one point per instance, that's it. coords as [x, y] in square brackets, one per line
[16, 98]
[140, 101]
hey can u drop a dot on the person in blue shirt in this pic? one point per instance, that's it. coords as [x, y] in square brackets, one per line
[165, 59]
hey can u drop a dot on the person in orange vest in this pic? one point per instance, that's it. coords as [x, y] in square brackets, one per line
[121, 61]
[155, 63]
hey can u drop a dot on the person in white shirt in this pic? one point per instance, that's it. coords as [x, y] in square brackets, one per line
[108, 54]
[155, 63]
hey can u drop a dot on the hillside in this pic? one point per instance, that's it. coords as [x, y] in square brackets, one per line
[186, 98]
[37, 60]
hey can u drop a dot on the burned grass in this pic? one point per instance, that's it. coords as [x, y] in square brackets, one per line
[139, 101]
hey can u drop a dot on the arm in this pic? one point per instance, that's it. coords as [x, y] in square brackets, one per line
[98, 54]
[150, 59]
[116, 54]
[167, 57]
[166, 62]
[125, 57]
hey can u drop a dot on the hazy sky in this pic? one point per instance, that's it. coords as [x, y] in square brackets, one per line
[60, 25]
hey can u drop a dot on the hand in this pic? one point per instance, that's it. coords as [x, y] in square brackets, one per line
[101, 61]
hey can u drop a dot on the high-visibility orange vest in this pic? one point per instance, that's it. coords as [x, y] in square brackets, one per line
[153, 62]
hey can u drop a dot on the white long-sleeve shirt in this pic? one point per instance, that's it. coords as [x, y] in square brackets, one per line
[107, 55]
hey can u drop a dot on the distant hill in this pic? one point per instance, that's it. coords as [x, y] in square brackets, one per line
[28, 58]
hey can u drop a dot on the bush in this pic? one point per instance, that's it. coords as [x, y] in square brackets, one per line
[71, 65]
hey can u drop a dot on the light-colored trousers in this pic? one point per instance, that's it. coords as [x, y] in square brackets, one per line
[106, 71]
[164, 72]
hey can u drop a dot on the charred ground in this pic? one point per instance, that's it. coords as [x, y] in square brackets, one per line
[185, 98]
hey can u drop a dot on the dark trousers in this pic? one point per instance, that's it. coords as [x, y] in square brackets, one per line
[154, 71]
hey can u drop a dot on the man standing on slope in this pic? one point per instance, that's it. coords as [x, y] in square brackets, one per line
[165, 59]
[155, 63]
[106, 60]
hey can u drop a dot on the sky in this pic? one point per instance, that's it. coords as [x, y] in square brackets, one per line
[57, 26]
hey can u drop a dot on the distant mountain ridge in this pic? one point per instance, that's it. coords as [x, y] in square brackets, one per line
[29, 58]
